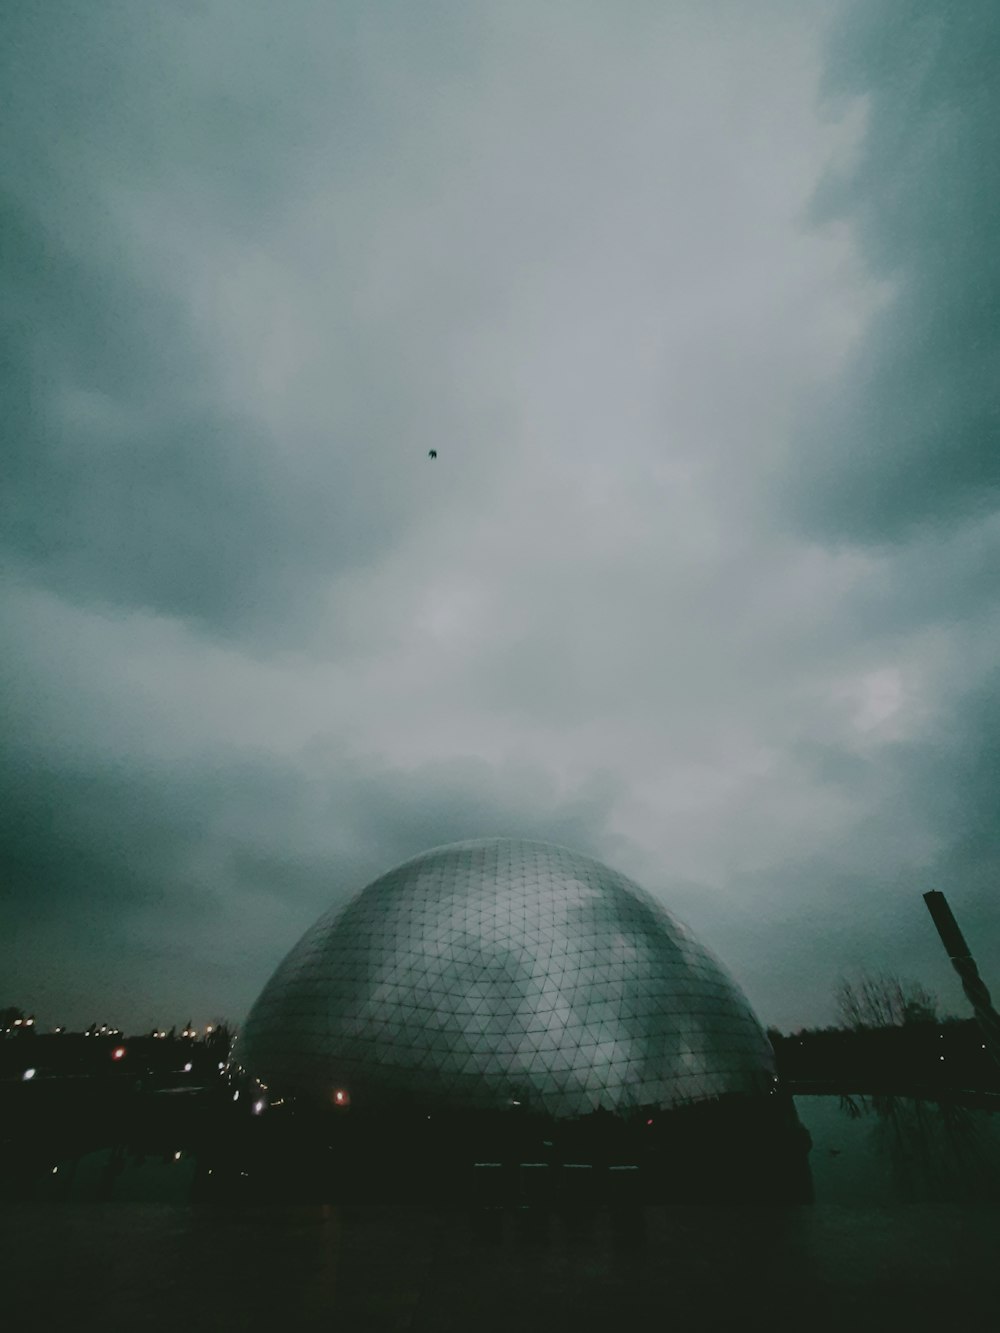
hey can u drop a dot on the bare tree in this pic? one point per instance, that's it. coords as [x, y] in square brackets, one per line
[883, 1001]
[220, 1039]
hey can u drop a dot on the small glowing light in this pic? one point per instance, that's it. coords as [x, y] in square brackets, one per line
[649, 1122]
[514, 1103]
[188, 1067]
[118, 1053]
[18, 1022]
[221, 1065]
[28, 1022]
[55, 1170]
[177, 1157]
[209, 1028]
[940, 1057]
[340, 1097]
[258, 1107]
[28, 1074]
[236, 1095]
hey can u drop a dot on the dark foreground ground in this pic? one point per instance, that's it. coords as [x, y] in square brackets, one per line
[198, 1218]
[159, 1266]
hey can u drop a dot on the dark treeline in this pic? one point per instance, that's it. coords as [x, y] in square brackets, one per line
[149, 1059]
[173, 1100]
[145, 1104]
[949, 1056]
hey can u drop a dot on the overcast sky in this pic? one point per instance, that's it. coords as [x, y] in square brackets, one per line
[698, 303]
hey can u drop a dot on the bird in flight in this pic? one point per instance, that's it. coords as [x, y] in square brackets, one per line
[432, 453]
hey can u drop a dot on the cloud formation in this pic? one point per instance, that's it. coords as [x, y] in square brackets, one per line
[693, 306]
[909, 436]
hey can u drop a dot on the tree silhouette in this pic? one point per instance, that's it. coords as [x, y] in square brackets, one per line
[883, 1000]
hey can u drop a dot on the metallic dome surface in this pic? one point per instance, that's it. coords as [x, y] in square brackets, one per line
[498, 971]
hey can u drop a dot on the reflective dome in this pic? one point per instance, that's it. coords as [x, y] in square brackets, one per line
[499, 971]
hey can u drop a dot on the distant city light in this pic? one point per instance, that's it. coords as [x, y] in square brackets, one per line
[55, 1170]
[177, 1157]
[259, 1106]
[236, 1095]
[188, 1067]
[221, 1065]
[18, 1022]
[28, 1074]
[28, 1022]
[118, 1053]
[341, 1097]
[209, 1028]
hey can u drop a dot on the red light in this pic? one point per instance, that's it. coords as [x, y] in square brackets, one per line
[340, 1097]
[118, 1053]
[649, 1122]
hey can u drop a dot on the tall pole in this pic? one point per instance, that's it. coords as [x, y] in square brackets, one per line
[964, 964]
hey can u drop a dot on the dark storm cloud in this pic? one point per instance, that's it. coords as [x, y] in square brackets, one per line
[260, 259]
[955, 784]
[83, 840]
[894, 468]
[154, 872]
[902, 457]
[908, 437]
[927, 819]
[129, 478]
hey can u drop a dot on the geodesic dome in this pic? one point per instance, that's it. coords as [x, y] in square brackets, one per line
[499, 971]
